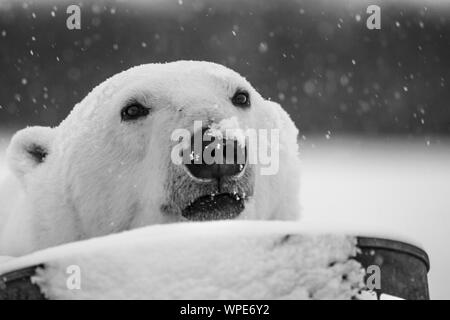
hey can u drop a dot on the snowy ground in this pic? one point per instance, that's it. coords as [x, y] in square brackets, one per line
[386, 187]
[380, 187]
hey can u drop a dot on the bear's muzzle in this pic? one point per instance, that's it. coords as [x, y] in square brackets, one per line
[215, 158]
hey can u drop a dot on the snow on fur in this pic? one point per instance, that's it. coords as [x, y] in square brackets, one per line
[231, 128]
[99, 175]
[212, 260]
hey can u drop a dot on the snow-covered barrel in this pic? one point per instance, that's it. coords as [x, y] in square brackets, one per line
[218, 260]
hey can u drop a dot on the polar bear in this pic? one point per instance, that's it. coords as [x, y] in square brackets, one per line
[109, 167]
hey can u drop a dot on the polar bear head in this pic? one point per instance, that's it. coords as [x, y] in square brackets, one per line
[112, 165]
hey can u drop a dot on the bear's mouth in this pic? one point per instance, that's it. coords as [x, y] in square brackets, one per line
[223, 206]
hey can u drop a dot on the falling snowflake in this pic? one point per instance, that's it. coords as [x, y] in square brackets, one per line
[263, 47]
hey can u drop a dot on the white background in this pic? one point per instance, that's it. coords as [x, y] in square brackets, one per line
[387, 187]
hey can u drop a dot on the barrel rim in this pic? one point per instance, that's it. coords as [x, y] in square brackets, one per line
[396, 246]
[19, 274]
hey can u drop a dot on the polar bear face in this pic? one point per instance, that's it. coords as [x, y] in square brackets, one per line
[109, 166]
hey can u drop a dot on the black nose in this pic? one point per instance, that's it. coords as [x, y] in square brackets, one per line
[215, 158]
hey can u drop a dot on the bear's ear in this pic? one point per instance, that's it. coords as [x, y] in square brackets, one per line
[28, 149]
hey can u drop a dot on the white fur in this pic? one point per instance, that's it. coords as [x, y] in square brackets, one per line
[103, 176]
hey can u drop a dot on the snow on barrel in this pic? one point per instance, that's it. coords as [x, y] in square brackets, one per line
[208, 260]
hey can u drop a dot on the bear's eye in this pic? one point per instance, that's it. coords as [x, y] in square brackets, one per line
[241, 99]
[134, 111]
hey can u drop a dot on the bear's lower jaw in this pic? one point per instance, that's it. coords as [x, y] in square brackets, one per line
[222, 206]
